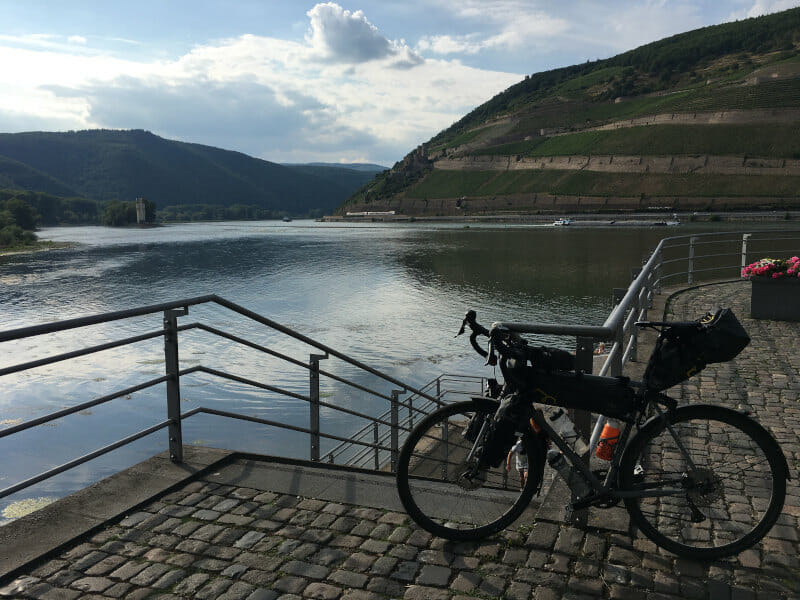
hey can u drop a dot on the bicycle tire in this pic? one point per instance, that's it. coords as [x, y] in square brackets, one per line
[431, 491]
[727, 504]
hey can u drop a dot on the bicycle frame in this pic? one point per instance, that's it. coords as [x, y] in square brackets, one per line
[607, 487]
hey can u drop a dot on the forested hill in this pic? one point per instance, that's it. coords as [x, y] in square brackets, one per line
[105, 165]
[708, 119]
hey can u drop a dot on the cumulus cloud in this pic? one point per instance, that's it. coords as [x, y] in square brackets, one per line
[341, 36]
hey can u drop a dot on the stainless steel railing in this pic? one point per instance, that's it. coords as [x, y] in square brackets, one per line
[676, 261]
[445, 388]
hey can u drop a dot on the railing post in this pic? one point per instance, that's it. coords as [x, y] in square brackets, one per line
[690, 270]
[584, 358]
[745, 237]
[619, 336]
[659, 264]
[395, 421]
[173, 382]
[375, 438]
[445, 450]
[313, 395]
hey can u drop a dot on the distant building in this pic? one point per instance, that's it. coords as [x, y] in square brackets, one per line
[140, 211]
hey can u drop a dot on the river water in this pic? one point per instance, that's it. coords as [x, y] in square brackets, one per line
[391, 296]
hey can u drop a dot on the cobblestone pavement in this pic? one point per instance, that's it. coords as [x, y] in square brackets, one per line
[209, 540]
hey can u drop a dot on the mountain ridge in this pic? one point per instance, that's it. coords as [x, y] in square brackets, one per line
[106, 165]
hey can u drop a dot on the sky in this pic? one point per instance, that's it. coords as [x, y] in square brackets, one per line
[291, 81]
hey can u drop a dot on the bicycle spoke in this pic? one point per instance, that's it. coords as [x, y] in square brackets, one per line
[728, 498]
[446, 491]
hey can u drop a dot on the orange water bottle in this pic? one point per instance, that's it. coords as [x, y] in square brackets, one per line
[608, 439]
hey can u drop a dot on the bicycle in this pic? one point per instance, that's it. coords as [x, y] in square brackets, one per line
[701, 481]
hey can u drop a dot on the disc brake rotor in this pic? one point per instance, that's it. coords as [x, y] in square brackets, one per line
[704, 487]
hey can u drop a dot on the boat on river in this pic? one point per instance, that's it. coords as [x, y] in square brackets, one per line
[562, 222]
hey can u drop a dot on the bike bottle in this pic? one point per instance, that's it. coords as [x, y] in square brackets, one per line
[608, 440]
[564, 427]
[574, 479]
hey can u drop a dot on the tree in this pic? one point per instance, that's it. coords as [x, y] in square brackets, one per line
[119, 214]
[23, 213]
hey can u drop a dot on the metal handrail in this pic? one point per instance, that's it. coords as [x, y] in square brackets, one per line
[369, 452]
[171, 311]
[25, 332]
[632, 306]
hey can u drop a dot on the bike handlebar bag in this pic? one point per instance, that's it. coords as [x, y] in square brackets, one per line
[684, 351]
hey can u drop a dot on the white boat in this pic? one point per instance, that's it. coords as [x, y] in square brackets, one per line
[562, 221]
[286, 220]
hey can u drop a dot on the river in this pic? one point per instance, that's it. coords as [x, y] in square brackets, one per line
[391, 296]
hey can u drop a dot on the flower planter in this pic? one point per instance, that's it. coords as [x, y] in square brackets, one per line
[775, 299]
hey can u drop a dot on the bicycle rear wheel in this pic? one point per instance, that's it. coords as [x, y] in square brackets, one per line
[726, 503]
[444, 492]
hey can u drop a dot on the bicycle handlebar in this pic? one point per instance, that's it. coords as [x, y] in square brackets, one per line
[477, 329]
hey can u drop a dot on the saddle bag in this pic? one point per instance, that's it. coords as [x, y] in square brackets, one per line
[682, 351]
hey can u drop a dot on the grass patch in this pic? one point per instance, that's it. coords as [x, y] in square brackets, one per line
[453, 184]
[768, 141]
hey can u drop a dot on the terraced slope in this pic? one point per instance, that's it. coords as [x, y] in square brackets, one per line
[708, 120]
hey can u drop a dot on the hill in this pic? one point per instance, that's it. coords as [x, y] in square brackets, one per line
[105, 165]
[707, 119]
[344, 176]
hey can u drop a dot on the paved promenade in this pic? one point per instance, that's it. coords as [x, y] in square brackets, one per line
[254, 530]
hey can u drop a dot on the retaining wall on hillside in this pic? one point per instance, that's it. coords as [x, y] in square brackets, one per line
[552, 204]
[704, 164]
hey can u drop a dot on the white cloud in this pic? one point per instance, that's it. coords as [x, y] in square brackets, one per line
[341, 36]
[507, 25]
[344, 93]
[447, 44]
[76, 39]
[765, 7]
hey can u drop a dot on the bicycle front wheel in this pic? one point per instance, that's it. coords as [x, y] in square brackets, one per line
[718, 484]
[444, 491]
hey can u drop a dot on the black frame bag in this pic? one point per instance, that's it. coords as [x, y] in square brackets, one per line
[683, 350]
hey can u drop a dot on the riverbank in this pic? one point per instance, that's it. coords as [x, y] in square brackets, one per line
[42, 246]
[638, 219]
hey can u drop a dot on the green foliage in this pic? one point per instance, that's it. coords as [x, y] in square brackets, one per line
[454, 184]
[104, 165]
[118, 214]
[659, 66]
[22, 213]
[18, 219]
[237, 212]
[55, 210]
[765, 140]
